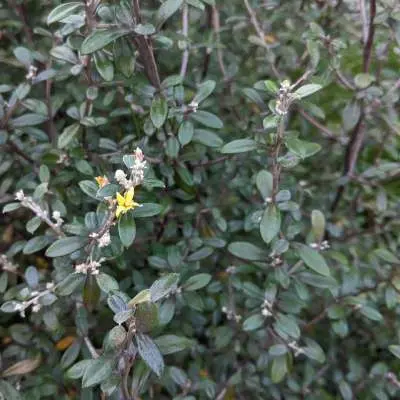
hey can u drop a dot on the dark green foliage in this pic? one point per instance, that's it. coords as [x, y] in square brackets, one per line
[200, 199]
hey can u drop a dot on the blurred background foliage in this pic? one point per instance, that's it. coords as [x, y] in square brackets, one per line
[265, 258]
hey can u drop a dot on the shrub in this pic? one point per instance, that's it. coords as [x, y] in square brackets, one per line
[201, 199]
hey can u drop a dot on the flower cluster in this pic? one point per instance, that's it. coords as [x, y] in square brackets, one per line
[34, 301]
[6, 264]
[136, 175]
[104, 240]
[324, 245]
[266, 308]
[89, 267]
[28, 202]
[231, 315]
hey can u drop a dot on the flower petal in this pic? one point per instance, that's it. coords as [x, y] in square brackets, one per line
[120, 199]
[120, 209]
[129, 195]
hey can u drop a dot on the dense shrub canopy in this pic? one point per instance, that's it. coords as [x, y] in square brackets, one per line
[200, 199]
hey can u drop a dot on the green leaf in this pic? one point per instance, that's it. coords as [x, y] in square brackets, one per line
[163, 286]
[172, 80]
[172, 147]
[69, 284]
[32, 276]
[11, 207]
[144, 29]
[97, 371]
[146, 316]
[395, 350]
[169, 344]
[314, 351]
[141, 297]
[207, 119]
[288, 325]
[71, 354]
[302, 148]
[203, 91]
[150, 353]
[239, 146]
[277, 350]
[166, 10]
[185, 175]
[270, 122]
[318, 224]
[64, 10]
[105, 68]
[64, 53]
[8, 391]
[29, 119]
[115, 338]
[363, 80]
[207, 138]
[270, 225]
[158, 111]
[253, 322]
[307, 90]
[278, 369]
[106, 283]
[65, 246]
[147, 210]
[196, 282]
[127, 229]
[100, 38]
[185, 133]
[319, 281]
[37, 243]
[124, 57]
[78, 370]
[386, 255]
[371, 313]
[246, 251]
[313, 259]
[90, 188]
[67, 135]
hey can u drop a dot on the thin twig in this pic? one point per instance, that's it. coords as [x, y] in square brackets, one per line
[259, 31]
[357, 137]
[276, 167]
[52, 129]
[145, 47]
[327, 132]
[212, 162]
[91, 348]
[370, 38]
[217, 27]
[185, 31]
[363, 13]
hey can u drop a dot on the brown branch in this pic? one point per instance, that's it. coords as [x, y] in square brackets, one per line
[327, 132]
[217, 27]
[351, 156]
[207, 53]
[212, 162]
[358, 134]
[185, 30]
[145, 47]
[276, 167]
[20, 10]
[260, 32]
[52, 129]
[370, 38]
[18, 151]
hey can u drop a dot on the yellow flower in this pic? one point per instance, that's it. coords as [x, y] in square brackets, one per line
[102, 181]
[125, 202]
